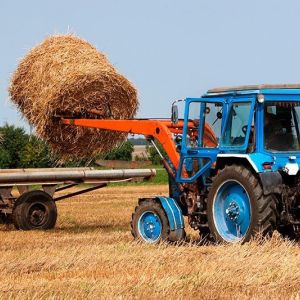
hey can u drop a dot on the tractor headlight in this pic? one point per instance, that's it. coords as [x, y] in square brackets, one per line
[260, 98]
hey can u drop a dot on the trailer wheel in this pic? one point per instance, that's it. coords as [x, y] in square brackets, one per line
[34, 210]
[237, 209]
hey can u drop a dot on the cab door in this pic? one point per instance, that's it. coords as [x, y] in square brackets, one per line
[238, 126]
[201, 136]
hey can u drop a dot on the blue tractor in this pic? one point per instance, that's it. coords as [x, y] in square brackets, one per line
[245, 182]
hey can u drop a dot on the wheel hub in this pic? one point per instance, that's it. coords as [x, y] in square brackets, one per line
[233, 211]
[150, 226]
[37, 215]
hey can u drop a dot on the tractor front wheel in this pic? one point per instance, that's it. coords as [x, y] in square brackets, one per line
[237, 209]
[150, 224]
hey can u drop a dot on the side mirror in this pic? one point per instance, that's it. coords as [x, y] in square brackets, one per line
[174, 115]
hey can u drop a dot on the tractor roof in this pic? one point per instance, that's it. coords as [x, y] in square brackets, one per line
[258, 88]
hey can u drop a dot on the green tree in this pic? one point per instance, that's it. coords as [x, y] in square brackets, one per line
[14, 139]
[36, 154]
[153, 155]
[4, 159]
[124, 152]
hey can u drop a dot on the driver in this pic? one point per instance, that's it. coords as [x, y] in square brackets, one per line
[271, 124]
[272, 132]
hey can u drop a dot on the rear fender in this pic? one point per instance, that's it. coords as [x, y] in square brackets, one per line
[271, 182]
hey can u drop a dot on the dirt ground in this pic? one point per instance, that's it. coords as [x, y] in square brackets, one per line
[91, 254]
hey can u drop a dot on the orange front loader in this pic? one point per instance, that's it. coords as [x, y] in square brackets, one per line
[160, 130]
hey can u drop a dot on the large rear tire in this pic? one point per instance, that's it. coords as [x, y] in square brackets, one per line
[34, 210]
[237, 209]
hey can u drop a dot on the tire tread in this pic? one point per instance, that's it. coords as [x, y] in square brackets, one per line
[266, 211]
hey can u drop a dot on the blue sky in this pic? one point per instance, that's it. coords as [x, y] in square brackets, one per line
[168, 49]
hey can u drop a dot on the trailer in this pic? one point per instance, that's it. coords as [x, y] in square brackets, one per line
[28, 196]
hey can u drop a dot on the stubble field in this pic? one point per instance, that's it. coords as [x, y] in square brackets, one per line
[91, 254]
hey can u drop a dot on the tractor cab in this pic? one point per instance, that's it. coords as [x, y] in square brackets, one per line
[256, 124]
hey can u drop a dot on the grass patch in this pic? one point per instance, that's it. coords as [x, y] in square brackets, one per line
[160, 178]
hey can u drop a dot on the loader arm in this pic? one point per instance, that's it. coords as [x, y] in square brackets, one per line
[161, 130]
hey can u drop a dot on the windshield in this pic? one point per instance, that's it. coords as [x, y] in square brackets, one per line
[281, 126]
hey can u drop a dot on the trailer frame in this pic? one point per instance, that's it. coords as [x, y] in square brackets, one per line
[17, 183]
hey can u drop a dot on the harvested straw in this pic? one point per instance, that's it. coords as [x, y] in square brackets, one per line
[65, 75]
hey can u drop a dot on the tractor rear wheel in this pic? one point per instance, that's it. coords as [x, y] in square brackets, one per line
[150, 224]
[237, 209]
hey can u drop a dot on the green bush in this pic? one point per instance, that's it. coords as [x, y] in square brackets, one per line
[153, 155]
[36, 154]
[123, 152]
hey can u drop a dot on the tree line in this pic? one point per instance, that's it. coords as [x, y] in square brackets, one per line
[19, 149]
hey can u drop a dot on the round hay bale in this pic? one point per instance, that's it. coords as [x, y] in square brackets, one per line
[65, 75]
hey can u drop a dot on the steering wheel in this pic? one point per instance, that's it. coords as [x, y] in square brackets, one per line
[245, 128]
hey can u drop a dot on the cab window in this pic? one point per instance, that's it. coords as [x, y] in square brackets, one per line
[205, 120]
[237, 125]
[281, 126]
